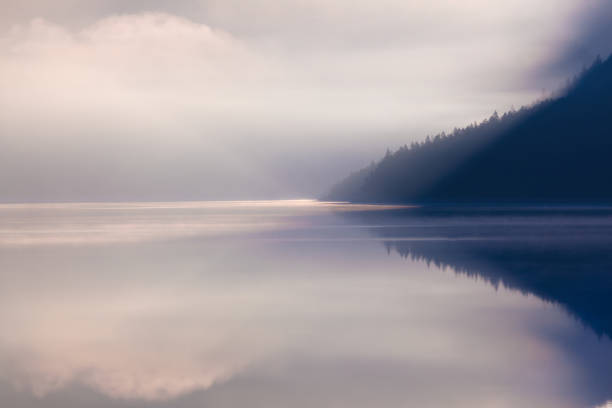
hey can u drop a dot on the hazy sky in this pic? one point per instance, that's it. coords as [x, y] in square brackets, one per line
[205, 99]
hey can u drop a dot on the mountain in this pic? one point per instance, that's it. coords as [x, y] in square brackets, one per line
[557, 150]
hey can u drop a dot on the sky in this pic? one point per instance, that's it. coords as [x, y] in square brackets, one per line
[230, 99]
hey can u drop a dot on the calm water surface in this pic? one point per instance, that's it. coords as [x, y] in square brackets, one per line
[304, 304]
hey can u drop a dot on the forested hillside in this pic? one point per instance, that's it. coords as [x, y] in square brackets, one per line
[558, 150]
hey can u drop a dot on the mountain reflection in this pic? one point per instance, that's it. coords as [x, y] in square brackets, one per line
[561, 255]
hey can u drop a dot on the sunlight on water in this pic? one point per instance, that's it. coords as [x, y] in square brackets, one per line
[104, 223]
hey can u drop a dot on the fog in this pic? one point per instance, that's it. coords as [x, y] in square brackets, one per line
[109, 100]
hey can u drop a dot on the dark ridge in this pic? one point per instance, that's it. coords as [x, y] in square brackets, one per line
[556, 151]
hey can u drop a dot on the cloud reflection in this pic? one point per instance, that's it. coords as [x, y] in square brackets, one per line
[203, 321]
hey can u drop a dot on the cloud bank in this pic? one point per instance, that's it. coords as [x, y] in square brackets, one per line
[258, 99]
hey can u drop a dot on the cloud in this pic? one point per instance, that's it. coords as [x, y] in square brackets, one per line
[592, 36]
[585, 34]
[258, 99]
[123, 94]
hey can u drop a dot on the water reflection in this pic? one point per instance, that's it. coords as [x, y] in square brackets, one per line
[561, 255]
[284, 305]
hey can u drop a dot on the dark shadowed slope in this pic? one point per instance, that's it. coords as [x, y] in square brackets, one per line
[558, 150]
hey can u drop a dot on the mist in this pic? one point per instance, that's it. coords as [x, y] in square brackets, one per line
[188, 100]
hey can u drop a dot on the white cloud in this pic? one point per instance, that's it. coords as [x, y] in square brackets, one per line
[259, 99]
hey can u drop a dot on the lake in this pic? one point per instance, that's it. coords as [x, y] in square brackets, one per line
[304, 304]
